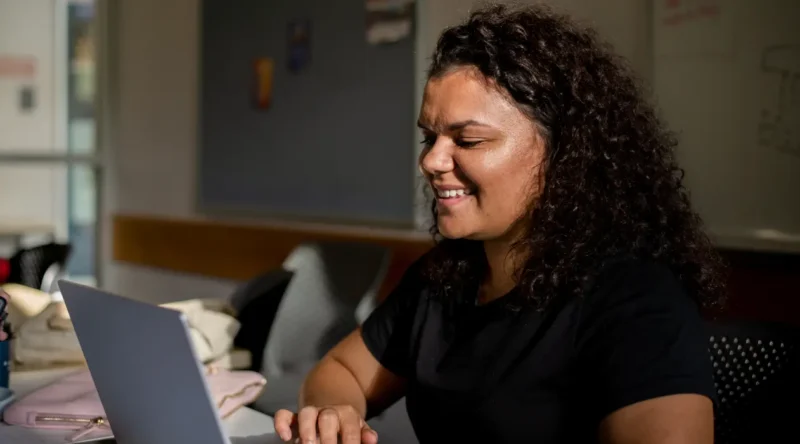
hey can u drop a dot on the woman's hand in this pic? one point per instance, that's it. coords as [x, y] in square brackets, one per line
[3, 313]
[325, 425]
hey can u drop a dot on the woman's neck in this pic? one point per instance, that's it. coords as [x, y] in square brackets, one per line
[499, 278]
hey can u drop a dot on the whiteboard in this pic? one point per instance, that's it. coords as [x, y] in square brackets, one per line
[726, 77]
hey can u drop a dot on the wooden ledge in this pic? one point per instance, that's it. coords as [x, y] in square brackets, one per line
[240, 250]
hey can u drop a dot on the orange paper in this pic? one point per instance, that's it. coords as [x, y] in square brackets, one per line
[264, 68]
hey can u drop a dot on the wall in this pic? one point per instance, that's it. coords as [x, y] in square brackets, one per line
[28, 33]
[152, 164]
[151, 168]
[33, 194]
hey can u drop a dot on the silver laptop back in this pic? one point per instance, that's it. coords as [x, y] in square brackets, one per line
[145, 369]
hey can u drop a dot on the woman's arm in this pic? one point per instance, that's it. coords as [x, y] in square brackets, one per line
[643, 349]
[338, 393]
[673, 419]
[350, 375]
[354, 379]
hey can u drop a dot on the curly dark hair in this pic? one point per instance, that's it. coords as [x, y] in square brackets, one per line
[611, 187]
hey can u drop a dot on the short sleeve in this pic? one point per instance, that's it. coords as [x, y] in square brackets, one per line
[640, 337]
[388, 330]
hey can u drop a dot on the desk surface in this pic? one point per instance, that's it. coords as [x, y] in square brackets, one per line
[245, 426]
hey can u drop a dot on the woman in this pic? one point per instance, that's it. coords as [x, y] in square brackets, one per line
[561, 304]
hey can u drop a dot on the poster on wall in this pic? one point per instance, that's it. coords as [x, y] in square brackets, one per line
[18, 73]
[299, 43]
[264, 67]
[389, 21]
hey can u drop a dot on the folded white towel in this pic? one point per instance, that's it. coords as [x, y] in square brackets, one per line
[45, 334]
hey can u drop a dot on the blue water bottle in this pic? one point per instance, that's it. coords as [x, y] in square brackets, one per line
[5, 358]
[5, 347]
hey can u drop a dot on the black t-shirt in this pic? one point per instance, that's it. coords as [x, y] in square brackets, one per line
[497, 373]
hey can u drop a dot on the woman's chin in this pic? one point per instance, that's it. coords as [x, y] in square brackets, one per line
[447, 235]
[453, 231]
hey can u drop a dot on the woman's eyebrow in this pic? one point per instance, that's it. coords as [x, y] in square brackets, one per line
[456, 125]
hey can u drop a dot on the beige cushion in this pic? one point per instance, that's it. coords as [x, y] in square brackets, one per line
[25, 303]
[211, 328]
[45, 334]
[37, 343]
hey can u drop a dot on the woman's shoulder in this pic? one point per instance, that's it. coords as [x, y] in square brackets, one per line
[413, 283]
[634, 272]
[637, 284]
[640, 300]
[415, 274]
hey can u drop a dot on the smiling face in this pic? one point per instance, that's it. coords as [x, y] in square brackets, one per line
[482, 156]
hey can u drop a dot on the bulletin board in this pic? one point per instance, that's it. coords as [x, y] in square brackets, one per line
[307, 110]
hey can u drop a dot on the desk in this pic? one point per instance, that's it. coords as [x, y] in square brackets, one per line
[245, 426]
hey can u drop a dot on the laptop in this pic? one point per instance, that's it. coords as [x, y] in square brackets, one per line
[146, 372]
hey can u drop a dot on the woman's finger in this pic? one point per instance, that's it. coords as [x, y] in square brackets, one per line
[307, 424]
[328, 425]
[368, 436]
[283, 423]
[351, 428]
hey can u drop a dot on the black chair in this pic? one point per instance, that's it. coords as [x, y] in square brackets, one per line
[40, 266]
[757, 376]
[256, 303]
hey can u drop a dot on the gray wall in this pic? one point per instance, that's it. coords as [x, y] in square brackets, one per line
[337, 142]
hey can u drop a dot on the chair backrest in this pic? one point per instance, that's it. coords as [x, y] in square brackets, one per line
[34, 266]
[332, 282]
[256, 303]
[757, 376]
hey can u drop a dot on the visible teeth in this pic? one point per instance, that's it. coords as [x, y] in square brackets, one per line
[452, 193]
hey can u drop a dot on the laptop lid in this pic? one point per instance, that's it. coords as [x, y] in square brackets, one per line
[142, 361]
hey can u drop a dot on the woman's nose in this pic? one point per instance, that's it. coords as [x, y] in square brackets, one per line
[437, 160]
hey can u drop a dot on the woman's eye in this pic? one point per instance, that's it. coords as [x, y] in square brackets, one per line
[467, 143]
[428, 141]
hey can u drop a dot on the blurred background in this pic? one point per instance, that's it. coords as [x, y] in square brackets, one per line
[168, 150]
